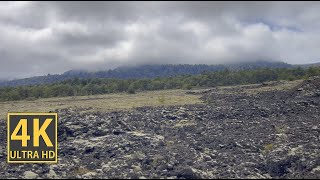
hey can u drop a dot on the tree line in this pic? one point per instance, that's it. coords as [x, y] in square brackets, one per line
[142, 71]
[83, 87]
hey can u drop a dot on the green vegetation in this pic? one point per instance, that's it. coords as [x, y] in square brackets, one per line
[84, 87]
[267, 149]
[143, 71]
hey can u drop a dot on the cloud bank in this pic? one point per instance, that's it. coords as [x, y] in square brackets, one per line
[38, 38]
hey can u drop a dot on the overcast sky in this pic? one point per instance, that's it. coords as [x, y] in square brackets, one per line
[38, 38]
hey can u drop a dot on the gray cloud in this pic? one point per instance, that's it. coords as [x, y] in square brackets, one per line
[38, 38]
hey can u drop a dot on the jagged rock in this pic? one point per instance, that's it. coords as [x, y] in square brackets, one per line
[30, 175]
[316, 170]
[52, 174]
[89, 175]
[187, 173]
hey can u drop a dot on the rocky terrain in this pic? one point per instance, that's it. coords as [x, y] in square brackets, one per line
[271, 134]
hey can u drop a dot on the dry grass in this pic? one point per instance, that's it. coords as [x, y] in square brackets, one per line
[283, 86]
[108, 102]
[184, 123]
[125, 101]
[81, 171]
[257, 88]
[267, 149]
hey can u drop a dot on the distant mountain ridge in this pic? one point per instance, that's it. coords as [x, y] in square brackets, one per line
[143, 71]
[308, 65]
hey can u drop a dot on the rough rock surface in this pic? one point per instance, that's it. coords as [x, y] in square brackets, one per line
[273, 134]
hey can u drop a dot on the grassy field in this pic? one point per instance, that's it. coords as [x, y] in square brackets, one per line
[125, 101]
[108, 102]
[257, 88]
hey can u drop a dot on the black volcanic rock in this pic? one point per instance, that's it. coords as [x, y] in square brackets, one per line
[271, 134]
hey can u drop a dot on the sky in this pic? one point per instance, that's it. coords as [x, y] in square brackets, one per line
[38, 38]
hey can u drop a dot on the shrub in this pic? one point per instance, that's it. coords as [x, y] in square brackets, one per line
[161, 99]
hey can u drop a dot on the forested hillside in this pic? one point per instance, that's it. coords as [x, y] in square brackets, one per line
[76, 87]
[143, 71]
